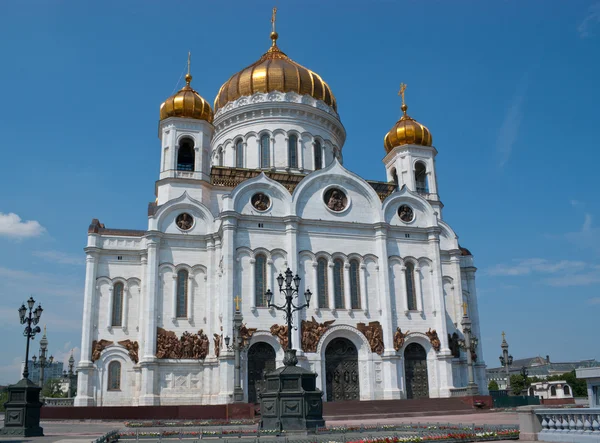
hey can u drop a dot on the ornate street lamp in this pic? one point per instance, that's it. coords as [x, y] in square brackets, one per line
[289, 308]
[524, 374]
[237, 346]
[23, 405]
[506, 360]
[469, 345]
[290, 385]
[43, 362]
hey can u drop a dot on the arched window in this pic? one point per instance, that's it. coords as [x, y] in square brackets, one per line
[567, 390]
[553, 391]
[395, 177]
[260, 282]
[114, 376]
[293, 151]
[338, 283]
[411, 293]
[322, 284]
[318, 155]
[182, 293]
[239, 154]
[220, 157]
[265, 156]
[354, 284]
[117, 307]
[185, 155]
[421, 178]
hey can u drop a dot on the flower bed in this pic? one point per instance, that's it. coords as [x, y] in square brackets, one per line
[187, 423]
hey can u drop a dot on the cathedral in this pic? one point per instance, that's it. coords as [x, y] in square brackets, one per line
[249, 187]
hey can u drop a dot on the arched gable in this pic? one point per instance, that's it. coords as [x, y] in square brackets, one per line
[166, 215]
[423, 212]
[240, 198]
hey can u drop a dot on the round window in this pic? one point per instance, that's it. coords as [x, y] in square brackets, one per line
[335, 199]
[184, 221]
[260, 201]
[406, 213]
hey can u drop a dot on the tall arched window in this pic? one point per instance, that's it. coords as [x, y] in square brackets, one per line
[117, 307]
[338, 283]
[395, 177]
[185, 155]
[239, 154]
[293, 151]
[322, 284]
[421, 178]
[260, 282]
[114, 376]
[567, 390]
[220, 157]
[354, 284]
[265, 155]
[411, 293]
[318, 153]
[182, 293]
[553, 391]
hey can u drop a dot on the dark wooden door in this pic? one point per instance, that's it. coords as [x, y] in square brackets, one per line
[415, 371]
[341, 370]
[261, 359]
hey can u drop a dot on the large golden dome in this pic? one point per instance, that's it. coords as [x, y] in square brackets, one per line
[407, 131]
[274, 71]
[186, 103]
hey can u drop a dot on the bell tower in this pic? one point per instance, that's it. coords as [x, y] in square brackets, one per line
[410, 158]
[185, 131]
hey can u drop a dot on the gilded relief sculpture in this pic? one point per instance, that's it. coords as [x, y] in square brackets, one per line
[434, 339]
[312, 331]
[98, 347]
[399, 338]
[132, 347]
[190, 346]
[217, 342]
[280, 331]
[246, 334]
[374, 334]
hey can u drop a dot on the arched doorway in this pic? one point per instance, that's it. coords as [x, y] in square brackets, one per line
[261, 358]
[415, 371]
[341, 370]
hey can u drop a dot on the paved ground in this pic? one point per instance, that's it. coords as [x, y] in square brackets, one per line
[87, 431]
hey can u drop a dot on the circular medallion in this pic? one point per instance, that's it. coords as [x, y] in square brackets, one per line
[406, 213]
[335, 199]
[184, 221]
[260, 201]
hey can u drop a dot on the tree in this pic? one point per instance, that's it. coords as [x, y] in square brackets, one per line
[493, 386]
[3, 399]
[52, 389]
[518, 384]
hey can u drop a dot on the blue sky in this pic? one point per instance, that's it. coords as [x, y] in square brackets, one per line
[508, 89]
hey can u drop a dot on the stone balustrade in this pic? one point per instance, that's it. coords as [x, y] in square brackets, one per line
[58, 401]
[569, 425]
[458, 392]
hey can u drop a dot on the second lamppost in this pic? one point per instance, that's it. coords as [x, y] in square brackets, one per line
[43, 361]
[289, 308]
[506, 360]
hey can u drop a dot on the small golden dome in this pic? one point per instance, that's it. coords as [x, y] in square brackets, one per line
[274, 71]
[186, 103]
[406, 131]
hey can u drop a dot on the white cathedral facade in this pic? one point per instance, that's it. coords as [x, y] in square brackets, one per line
[247, 188]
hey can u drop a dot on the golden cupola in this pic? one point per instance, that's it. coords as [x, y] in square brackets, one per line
[274, 71]
[186, 103]
[407, 131]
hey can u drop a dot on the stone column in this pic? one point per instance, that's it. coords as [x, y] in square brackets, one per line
[148, 395]
[252, 283]
[315, 282]
[330, 286]
[190, 298]
[86, 367]
[418, 289]
[364, 299]
[444, 357]
[109, 310]
[174, 297]
[404, 297]
[272, 152]
[347, 295]
[125, 321]
[291, 234]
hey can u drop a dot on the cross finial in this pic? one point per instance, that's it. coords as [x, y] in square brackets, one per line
[503, 336]
[188, 76]
[274, 34]
[401, 94]
[237, 301]
[464, 309]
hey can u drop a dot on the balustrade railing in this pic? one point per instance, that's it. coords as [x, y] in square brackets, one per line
[582, 422]
[58, 401]
[458, 392]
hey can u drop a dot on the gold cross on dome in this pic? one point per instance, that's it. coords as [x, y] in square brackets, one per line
[503, 335]
[273, 18]
[465, 309]
[401, 91]
[237, 301]
[189, 61]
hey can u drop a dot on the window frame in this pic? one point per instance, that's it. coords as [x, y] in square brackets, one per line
[117, 304]
[317, 148]
[182, 293]
[411, 288]
[239, 153]
[186, 142]
[111, 376]
[322, 283]
[338, 284]
[355, 284]
[265, 151]
[293, 151]
[260, 280]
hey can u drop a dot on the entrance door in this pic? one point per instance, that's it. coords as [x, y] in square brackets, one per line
[261, 358]
[341, 370]
[415, 371]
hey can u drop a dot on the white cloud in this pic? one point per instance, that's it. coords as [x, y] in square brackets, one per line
[11, 372]
[592, 18]
[12, 226]
[60, 257]
[22, 283]
[509, 131]
[558, 273]
[588, 237]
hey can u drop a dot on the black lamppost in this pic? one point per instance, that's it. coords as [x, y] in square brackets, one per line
[289, 308]
[506, 360]
[290, 400]
[22, 416]
[524, 374]
[70, 376]
[237, 347]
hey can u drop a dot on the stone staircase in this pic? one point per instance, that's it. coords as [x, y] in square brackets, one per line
[375, 409]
